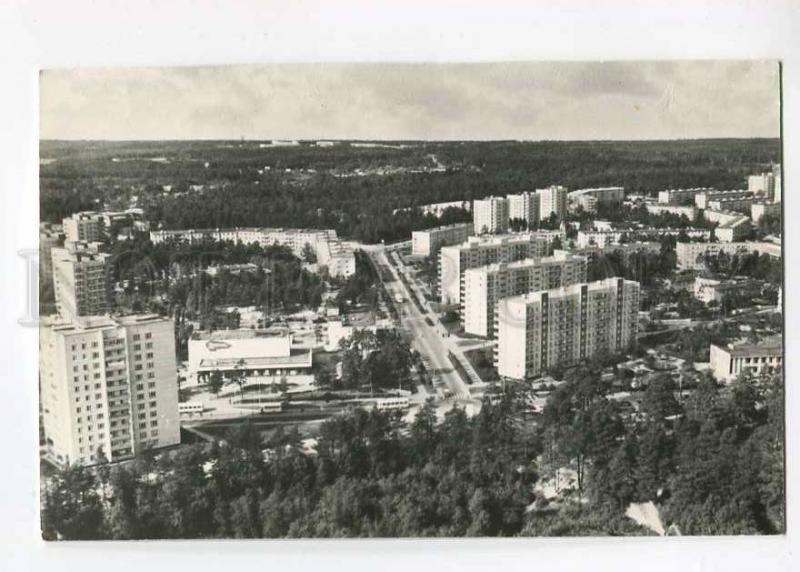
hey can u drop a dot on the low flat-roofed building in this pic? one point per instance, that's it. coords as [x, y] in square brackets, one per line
[709, 290]
[430, 241]
[254, 352]
[764, 356]
[688, 211]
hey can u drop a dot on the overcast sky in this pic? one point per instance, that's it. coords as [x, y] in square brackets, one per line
[620, 100]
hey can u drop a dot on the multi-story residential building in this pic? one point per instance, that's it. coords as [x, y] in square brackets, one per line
[109, 387]
[732, 226]
[605, 238]
[552, 201]
[590, 199]
[80, 279]
[50, 236]
[428, 242]
[87, 226]
[524, 206]
[336, 255]
[485, 285]
[540, 330]
[760, 210]
[762, 184]
[688, 211]
[733, 204]
[765, 356]
[702, 200]
[690, 255]
[490, 215]
[681, 196]
[481, 251]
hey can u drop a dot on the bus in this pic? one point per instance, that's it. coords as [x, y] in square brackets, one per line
[392, 403]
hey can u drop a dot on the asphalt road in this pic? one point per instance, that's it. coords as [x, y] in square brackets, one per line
[427, 340]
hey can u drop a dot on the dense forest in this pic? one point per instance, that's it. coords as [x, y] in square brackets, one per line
[712, 462]
[356, 190]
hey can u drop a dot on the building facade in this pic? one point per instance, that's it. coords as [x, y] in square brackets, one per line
[540, 330]
[681, 196]
[484, 286]
[765, 356]
[490, 215]
[85, 226]
[109, 387]
[552, 201]
[524, 206]
[702, 200]
[336, 255]
[690, 255]
[428, 242]
[81, 280]
[455, 260]
[590, 199]
[760, 210]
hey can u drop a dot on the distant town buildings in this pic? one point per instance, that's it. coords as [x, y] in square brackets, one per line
[681, 196]
[690, 255]
[552, 201]
[490, 215]
[713, 199]
[97, 226]
[485, 285]
[709, 290]
[428, 242]
[688, 211]
[605, 238]
[760, 210]
[109, 387]
[732, 226]
[50, 236]
[540, 330]
[524, 206]
[590, 199]
[336, 255]
[765, 356]
[483, 250]
[263, 354]
[763, 184]
[80, 279]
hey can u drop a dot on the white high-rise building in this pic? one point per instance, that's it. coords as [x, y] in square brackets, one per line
[540, 330]
[490, 215]
[88, 226]
[552, 200]
[762, 184]
[485, 285]
[80, 279]
[524, 206]
[483, 250]
[109, 387]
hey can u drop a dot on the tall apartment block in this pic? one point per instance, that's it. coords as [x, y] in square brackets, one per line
[86, 226]
[428, 242]
[108, 387]
[484, 250]
[552, 200]
[80, 279]
[485, 286]
[490, 215]
[563, 326]
[524, 206]
[762, 184]
[50, 236]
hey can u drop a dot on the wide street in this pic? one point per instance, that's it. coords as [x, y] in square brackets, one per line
[427, 340]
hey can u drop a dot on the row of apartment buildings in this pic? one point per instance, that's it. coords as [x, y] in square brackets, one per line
[492, 214]
[330, 251]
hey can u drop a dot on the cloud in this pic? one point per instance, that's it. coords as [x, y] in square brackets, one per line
[517, 100]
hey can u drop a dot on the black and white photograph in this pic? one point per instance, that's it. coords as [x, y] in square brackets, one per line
[392, 300]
